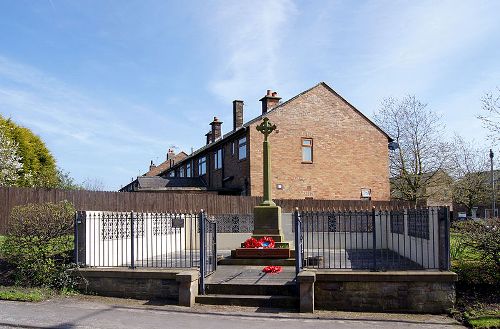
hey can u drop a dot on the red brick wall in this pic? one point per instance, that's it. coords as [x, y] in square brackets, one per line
[349, 152]
[232, 166]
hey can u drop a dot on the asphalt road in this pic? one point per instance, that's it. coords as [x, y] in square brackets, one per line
[99, 312]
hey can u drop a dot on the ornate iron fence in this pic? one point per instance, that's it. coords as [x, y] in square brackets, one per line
[376, 240]
[138, 239]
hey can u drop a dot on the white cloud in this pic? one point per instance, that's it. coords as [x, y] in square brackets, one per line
[249, 37]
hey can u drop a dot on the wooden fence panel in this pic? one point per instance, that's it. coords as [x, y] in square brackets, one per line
[163, 202]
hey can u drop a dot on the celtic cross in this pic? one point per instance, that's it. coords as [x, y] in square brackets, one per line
[266, 128]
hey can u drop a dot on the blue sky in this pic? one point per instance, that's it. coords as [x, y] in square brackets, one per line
[111, 85]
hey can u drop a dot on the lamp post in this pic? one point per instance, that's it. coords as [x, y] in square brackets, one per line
[492, 185]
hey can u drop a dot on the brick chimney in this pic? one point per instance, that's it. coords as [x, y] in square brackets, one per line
[216, 129]
[237, 114]
[152, 166]
[209, 138]
[269, 101]
[170, 154]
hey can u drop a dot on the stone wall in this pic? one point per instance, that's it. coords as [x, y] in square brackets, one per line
[126, 283]
[416, 292]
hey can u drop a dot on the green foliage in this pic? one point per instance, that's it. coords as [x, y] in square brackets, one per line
[66, 182]
[474, 250]
[39, 243]
[482, 236]
[38, 164]
[484, 321]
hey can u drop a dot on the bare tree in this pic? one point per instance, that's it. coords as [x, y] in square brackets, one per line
[491, 118]
[470, 170]
[93, 184]
[419, 164]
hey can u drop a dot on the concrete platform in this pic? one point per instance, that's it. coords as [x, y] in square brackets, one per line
[250, 275]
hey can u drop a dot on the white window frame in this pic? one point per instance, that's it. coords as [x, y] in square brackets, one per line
[309, 146]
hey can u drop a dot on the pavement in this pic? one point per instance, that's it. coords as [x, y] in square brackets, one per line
[103, 312]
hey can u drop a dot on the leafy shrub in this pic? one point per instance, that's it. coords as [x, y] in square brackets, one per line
[482, 236]
[39, 242]
[475, 253]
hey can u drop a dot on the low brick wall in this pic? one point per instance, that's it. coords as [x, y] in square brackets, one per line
[137, 283]
[411, 291]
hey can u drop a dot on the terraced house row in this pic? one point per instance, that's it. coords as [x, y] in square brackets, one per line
[323, 148]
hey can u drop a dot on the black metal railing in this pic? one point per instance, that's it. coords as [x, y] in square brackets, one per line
[137, 239]
[371, 239]
[208, 249]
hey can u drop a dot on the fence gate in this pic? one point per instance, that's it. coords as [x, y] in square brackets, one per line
[208, 248]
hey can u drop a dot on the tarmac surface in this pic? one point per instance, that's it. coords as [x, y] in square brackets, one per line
[102, 312]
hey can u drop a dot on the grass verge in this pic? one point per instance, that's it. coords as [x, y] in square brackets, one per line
[487, 321]
[25, 294]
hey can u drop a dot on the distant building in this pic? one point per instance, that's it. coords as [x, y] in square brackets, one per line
[324, 148]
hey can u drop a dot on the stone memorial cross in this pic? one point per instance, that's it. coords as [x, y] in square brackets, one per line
[266, 128]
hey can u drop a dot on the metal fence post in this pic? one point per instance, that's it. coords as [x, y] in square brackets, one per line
[132, 236]
[214, 254]
[202, 252]
[298, 242]
[75, 241]
[374, 241]
[444, 238]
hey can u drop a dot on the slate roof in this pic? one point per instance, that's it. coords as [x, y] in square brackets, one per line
[170, 183]
[166, 164]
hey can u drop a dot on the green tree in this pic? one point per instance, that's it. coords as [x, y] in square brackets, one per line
[38, 165]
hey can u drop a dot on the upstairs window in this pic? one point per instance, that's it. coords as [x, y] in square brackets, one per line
[242, 148]
[188, 169]
[218, 159]
[202, 166]
[171, 174]
[232, 147]
[181, 172]
[307, 150]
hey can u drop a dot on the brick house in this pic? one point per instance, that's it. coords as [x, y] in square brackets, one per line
[324, 148]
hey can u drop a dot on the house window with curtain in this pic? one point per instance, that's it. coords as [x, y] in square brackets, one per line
[188, 169]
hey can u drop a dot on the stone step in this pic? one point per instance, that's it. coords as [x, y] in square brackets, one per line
[256, 261]
[289, 289]
[250, 300]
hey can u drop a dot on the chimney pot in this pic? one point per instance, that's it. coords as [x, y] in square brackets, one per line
[216, 129]
[269, 101]
[209, 138]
